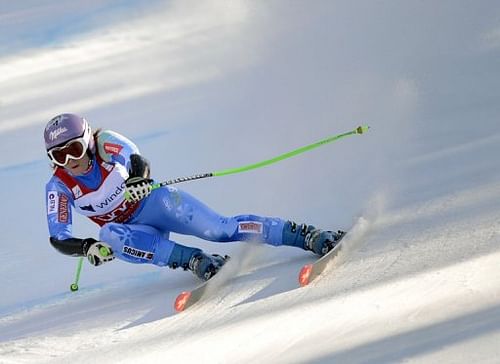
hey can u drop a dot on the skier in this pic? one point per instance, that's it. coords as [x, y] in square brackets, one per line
[102, 176]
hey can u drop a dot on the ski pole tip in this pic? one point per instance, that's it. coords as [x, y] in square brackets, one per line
[362, 129]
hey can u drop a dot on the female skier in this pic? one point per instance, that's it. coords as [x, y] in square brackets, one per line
[102, 176]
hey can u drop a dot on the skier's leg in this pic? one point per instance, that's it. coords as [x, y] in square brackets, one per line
[144, 244]
[171, 209]
[275, 231]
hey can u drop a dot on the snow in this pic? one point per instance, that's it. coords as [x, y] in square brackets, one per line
[203, 87]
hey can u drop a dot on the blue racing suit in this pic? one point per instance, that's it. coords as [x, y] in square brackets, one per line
[139, 232]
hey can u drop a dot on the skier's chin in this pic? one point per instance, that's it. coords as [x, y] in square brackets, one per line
[77, 168]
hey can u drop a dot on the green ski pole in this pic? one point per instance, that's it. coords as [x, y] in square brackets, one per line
[74, 285]
[358, 130]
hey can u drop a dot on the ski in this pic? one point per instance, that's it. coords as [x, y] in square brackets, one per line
[310, 272]
[188, 298]
[307, 274]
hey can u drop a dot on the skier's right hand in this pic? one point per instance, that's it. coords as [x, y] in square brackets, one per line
[99, 252]
[137, 188]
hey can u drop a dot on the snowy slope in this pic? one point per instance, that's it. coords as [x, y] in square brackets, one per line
[202, 87]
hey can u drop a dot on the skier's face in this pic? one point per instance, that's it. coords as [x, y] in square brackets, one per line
[79, 167]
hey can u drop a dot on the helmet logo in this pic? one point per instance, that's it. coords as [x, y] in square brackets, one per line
[55, 133]
[56, 120]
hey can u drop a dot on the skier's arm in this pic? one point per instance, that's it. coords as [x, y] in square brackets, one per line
[115, 148]
[97, 252]
[59, 219]
[72, 246]
[59, 214]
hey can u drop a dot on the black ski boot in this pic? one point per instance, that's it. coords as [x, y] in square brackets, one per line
[308, 237]
[204, 266]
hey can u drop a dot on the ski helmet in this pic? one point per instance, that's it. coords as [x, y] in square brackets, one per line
[66, 127]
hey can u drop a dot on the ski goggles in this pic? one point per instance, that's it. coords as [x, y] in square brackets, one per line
[74, 149]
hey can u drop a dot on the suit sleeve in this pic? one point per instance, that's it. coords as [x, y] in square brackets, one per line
[115, 148]
[59, 209]
[59, 201]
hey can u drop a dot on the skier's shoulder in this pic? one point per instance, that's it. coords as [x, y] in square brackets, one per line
[56, 185]
[114, 146]
[108, 138]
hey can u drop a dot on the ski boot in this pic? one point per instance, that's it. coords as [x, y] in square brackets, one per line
[204, 266]
[308, 237]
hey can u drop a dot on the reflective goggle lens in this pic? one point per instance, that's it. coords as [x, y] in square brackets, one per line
[73, 150]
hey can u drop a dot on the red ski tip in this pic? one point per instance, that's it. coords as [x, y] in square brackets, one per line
[304, 275]
[181, 301]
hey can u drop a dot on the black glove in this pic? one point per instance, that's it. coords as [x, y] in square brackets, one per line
[138, 185]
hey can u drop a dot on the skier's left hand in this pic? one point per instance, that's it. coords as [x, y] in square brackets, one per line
[137, 188]
[99, 253]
